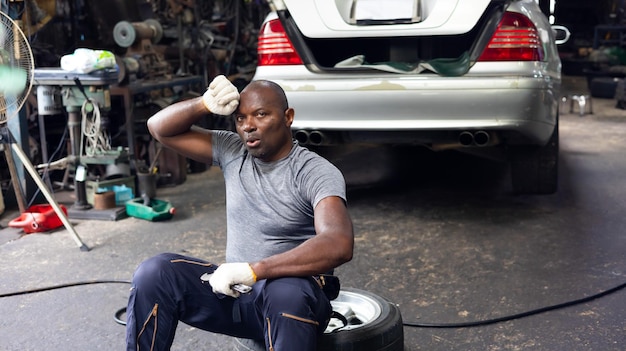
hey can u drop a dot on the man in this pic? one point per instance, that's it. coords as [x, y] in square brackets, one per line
[287, 221]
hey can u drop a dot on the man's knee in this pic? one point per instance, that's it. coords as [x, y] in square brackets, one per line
[152, 270]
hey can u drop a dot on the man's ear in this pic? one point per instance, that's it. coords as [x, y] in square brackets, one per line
[289, 114]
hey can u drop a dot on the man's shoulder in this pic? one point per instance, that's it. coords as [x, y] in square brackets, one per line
[307, 157]
[317, 177]
[311, 163]
[227, 146]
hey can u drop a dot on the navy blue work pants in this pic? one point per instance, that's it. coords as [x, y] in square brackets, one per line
[288, 313]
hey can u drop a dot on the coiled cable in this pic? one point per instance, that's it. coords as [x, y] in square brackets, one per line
[96, 139]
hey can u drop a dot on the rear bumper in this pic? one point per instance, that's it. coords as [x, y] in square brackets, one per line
[525, 108]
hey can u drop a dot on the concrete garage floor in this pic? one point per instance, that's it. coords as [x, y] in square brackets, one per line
[440, 235]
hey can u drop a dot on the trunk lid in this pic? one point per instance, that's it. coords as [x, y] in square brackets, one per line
[382, 18]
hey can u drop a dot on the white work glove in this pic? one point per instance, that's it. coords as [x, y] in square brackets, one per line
[221, 97]
[229, 274]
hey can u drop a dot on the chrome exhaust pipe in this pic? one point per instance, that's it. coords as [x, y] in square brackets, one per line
[481, 138]
[466, 138]
[317, 138]
[302, 136]
[478, 138]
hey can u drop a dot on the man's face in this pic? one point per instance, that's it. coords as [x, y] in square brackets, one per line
[263, 125]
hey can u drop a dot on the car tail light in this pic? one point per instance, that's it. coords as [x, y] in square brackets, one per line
[516, 39]
[274, 47]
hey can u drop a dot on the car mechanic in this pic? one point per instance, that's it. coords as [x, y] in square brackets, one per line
[287, 223]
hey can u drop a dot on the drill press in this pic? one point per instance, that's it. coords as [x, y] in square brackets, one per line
[86, 95]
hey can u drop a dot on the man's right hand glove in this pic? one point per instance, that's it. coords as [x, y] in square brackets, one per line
[221, 97]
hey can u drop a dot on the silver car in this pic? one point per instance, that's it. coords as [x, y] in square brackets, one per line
[478, 76]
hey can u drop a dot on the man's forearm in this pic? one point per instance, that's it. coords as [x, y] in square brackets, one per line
[315, 256]
[176, 119]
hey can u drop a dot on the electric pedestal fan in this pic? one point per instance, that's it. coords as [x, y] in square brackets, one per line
[16, 80]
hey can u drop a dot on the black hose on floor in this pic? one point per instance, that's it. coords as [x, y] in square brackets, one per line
[516, 316]
[122, 311]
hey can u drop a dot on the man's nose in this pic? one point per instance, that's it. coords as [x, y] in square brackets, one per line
[248, 124]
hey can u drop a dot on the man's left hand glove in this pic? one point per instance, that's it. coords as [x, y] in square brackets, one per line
[229, 274]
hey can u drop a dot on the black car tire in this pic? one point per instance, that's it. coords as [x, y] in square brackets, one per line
[383, 332]
[534, 169]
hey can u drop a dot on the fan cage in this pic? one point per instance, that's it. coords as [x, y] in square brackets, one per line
[13, 42]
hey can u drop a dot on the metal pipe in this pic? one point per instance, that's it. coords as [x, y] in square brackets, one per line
[317, 138]
[51, 200]
[481, 138]
[302, 136]
[466, 138]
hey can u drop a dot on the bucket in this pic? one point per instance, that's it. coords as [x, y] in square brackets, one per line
[104, 200]
[38, 218]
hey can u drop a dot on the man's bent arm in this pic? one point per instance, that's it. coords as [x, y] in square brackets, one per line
[174, 127]
[332, 245]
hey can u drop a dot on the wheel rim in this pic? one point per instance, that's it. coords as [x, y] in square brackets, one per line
[358, 309]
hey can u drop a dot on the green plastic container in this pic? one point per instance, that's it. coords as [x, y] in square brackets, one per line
[157, 211]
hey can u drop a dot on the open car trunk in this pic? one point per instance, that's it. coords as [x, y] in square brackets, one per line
[431, 37]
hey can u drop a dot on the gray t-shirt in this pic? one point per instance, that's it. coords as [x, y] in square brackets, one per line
[269, 205]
